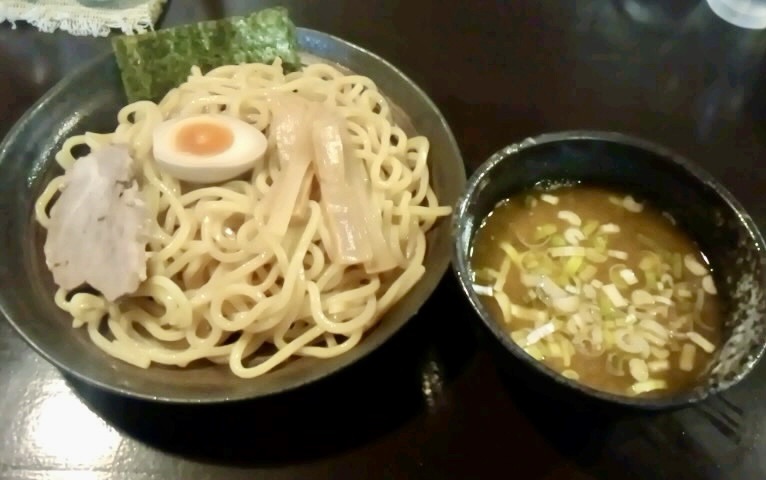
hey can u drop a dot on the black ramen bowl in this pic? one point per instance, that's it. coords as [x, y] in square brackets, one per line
[700, 205]
[88, 100]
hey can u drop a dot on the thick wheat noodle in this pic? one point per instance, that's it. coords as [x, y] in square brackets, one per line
[218, 287]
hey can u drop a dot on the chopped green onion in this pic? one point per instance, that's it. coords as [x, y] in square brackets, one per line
[551, 289]
[686, 359]
[552, 199]
[520, 336]
[599, 244]
[662, 299]
[631, 205]
[536, 352]
[589, 227]
[587, 272]
[628, 276]
[656, 366]
[595, 256]
[484, 275]
[678, 267]
[528, 313]
[609, 228]
[651, 279]
[629, 342]
[505, 305]
[568, 251]
[539, 333]
[683, 292]
[512, 253]
[653, 326]
[695, 267]
[649, 261]
[614, 296]
[529, 260]
[502, 276]
[573, 236]
[680, 321]
[529, 280]
[618, 254]
[615, 277]
[648, 386]
[708, 285]
[570, 374]
[566, 304]
[638, 369]
[532, 245]
[615, 364]
[567, 351]
[572, 265]
[570, 217]
[558, 241]
[604, 305]
[654, 340]
[554, 349]
[701, 342]
[483, 290]
[544, 231]
[660, 353]
[669, 218]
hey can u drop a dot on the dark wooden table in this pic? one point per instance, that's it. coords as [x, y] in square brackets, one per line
[430, 404]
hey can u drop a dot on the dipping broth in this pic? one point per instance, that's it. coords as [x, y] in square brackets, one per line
[602, 288]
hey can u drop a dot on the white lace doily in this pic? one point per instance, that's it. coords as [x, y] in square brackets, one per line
[84, 17]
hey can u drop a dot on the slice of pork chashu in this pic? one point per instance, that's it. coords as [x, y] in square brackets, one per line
[99, 226]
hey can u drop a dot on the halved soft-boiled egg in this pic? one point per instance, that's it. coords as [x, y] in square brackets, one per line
[207, 148]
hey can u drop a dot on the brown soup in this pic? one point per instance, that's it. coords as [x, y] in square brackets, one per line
[601, 288]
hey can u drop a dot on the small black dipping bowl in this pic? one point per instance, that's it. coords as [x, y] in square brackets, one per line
[700, 205]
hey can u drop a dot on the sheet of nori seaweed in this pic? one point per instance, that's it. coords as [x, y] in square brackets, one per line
[153, 63]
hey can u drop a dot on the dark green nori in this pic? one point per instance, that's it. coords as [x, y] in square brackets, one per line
[153, 63]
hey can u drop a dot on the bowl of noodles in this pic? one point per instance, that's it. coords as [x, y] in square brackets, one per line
[147, 285]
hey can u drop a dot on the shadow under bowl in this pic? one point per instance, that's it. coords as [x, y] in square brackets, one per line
[89, 100]
[701, 206]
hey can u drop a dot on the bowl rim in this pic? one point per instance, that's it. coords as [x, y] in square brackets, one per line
[461, 267]
[305, 36]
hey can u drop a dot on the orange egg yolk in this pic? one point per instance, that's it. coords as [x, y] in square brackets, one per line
[204, 138]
